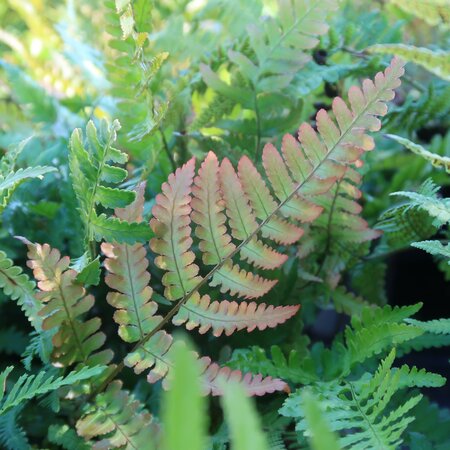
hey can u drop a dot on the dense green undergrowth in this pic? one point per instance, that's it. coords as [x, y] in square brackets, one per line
[243, 178]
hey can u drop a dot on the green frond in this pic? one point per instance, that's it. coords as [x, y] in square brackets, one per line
[131, 72]
[184, 408]
[434, 248]
[346, 302]
[12, 435]
[435, 61]
[14, 178]
[66, 437]
[29, 386]
[428, 200]
[436, 160]
[19, 287]
[320, 435]
[438, 326]
[403, 225]
[280, 46]
[240, 414]
[93, 172]
[433, 12]
[363, 411]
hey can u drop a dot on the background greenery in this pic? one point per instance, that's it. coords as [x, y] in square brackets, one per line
[172, 79]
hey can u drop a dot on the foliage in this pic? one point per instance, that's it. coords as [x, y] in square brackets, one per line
[208, 165]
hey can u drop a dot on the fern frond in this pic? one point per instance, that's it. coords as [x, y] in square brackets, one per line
[18, 286]
[14, 178]
[308, 170]
[66, 437]
[279, 44]
[438, 326]
[255, 385]
[128, 277]
[64, 302]
[92, 172]
[130, 73]
[11, 179]
[118, 420]
[12, 435]
[436, 160]
[434, 248]
[435, 61]
[403, 225]
[29, 386]
[294, 368]
[433, 12]
[346, 302]
[428, 200]
[378, 329]
[320, 435]
[362, 411]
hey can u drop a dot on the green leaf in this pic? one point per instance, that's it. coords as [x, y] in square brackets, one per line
[112, 229]
[23, 174]
[142, 14]
[29, 386]
[321, 437]
[88, 271]
[242, 419]
[184, 407]
[435, 61]
[436, 160]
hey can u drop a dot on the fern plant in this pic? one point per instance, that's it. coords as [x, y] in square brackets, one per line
[205, 207]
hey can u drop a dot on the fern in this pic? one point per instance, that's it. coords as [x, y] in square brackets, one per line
[11, 179]
[434, 12]
[278, 50]
[370, 333]
[279, 46]
[91, 171]
[364, 410]
[63, 303]
[436, 160]
[29, 386]
[66, 437]
[342, 223]
[439, 326]
[313, 169]
[16, 285]
[118, 420]
[435, 61]
[434, 248]
[246, 199]
[428, 200]
[322, 438]
[131, 72]
[403, 225]
[12, 435]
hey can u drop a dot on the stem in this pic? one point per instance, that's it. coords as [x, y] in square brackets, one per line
[258, 128]
[167, 150]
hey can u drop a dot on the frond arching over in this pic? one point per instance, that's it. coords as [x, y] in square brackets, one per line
[233, 210]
